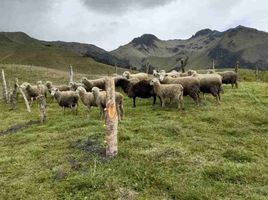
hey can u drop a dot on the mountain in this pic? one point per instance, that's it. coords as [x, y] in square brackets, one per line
[19, 48]
[246, 45]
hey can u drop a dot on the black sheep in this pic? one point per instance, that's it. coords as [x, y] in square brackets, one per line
[135, 88]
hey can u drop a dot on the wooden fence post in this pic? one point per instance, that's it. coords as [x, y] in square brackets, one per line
[24, 96]
[236, 66]
[257, 73]
[13, 97]
[213, 64]
[71, 80]
[111, 119]
[5, 90]
[42, 105]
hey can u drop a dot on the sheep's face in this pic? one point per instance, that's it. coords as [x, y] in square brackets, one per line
[80, 89]
[48, 84]
[162, 76]
[24, 85]
[155, 73]
[53, 91]
[153, 81]
[126, 74]
[39, 82]
[83, 80]
[95, 90]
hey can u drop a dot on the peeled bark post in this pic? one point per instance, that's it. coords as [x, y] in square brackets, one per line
[5, 90]
[24, 96]
[71, 80]
[42, 105]
[111, 119]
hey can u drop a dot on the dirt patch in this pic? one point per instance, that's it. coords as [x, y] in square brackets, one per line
[18, 127]
[90, 145]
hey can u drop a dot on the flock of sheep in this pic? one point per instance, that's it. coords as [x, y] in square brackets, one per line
[173, 86]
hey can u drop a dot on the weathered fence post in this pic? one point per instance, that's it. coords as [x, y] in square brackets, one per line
[237, 66]
[42, 104]
[24, 96]
[111, 119]
[13, 97]
[257, 73]
[71, 80]
[5, 90]
[213, 64]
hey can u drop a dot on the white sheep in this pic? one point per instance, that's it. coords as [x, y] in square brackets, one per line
[100, 98]
[140, 76]
[87, 98]
[66, 99]
[172, 91]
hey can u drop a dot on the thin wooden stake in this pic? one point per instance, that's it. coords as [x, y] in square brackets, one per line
[42, 104]
[237, 66]
[5, 90]
[24, 96]
[14, 97]
[111, 119]
[213, 64]
[71, 80]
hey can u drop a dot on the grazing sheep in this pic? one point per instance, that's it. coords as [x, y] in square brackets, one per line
[135, 88]
[228, 77]
[74, 86]
[140, 76]
[89, 84]
[87, 98]
[172, 91]
[100, 97]
[173, 73]
[191, 85]
[61, 88]
[66, 99]
[32, 91]
[210, 83]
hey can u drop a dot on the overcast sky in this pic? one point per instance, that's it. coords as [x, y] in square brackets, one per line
[111, 23]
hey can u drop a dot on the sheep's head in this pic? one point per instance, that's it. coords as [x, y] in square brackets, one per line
[96, 90]
[53, 91]
[48, 84]
[191, 72]
[83, 80]
[39, 82]
[155, 73]
[80, 89]
[25, 85]
[211, 71]
[162, 75]
[126, 74]
[153, 81]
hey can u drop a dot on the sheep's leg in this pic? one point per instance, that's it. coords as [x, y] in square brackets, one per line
[134, 102]
[154, 100]
[121, 110]
[214, 93]
[162, 101]
[236, 84]
[181, 102]
[118, 112]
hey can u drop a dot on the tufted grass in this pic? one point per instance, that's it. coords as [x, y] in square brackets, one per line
[207, 152]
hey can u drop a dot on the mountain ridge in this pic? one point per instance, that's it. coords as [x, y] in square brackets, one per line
[247, 45]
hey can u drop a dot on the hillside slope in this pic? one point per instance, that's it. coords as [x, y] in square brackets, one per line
[247, 45]
[19, 48]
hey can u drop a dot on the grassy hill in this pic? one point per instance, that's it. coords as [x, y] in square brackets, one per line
[19, 48]
[247, 45]
[206, 152]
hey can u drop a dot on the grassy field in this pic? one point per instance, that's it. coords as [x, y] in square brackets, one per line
[207, 152]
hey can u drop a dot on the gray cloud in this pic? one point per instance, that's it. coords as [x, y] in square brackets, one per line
[122, 6]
